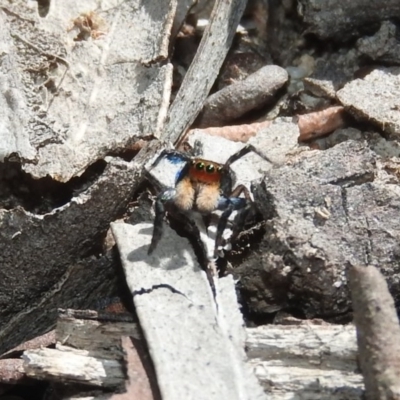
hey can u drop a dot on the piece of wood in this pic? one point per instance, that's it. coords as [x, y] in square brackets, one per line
[53, 248]
[205, 67]
[320, 123]
[11, 371]
[308, 358]
[141, 381]
[378, 332]
[102, 340]
[44, 340]
[189, 338]
[73, 366]
[96, 342]
[316, 361]
[79, 94]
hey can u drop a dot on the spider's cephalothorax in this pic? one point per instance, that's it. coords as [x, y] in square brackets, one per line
[203, 186]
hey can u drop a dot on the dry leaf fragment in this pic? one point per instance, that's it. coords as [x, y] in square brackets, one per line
[320, 123]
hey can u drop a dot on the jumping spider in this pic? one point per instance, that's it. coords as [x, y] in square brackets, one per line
[204, 186]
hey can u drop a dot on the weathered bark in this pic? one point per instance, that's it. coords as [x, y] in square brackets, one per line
[77, 84]
[205, 67]
[308, 360]
[49, 261]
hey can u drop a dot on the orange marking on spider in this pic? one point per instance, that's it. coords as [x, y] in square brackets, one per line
[205, 171]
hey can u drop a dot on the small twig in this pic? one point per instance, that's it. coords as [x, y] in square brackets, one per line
[96, 315]
[44, 53]
[378, 333]
[49, 55]
[14, 14]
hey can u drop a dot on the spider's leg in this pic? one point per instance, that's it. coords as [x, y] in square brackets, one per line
[229, 205]
[240, 220]
[162, 199]
[242, 152]
[171, 155]
[239, 190]
[245, 211]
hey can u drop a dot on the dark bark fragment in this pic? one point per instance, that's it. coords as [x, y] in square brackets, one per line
[51, 261]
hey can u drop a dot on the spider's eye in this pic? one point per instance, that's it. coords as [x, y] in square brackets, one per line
[210, 169]
[219, 169]
[200, 166]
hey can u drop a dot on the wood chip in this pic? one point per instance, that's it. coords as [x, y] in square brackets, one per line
[318, 361]
[141, 383]
[74, 366]
[188, 332]
[11, 371]
[320, 123]
[45, 340]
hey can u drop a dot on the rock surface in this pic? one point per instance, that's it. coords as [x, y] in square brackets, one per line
[324, 212]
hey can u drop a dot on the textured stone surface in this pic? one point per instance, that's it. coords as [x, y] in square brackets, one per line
[375, 99]
[324, 212]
